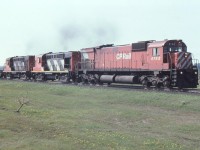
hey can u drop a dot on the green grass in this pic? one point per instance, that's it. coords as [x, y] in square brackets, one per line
[66, 117]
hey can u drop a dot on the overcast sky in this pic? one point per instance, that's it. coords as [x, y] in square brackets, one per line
[31, 27]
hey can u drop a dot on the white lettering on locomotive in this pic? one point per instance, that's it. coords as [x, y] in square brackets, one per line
[155, 58]
[123, 56]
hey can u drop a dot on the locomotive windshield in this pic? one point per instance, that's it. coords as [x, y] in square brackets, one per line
[175, 49]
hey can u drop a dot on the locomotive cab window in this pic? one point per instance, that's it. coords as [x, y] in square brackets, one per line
[155, 52]
[175, 49]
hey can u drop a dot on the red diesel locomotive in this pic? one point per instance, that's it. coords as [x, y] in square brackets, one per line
[150, 63]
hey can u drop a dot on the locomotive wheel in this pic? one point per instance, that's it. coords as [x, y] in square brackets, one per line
[25, 77]
[159, 85]
[44, 78]
[74, 80]
[92, 82]
[35, 78]
[11, 77]
[68, 80]
[85, 81]
[166, 84]
[146, 84]
[180, 88]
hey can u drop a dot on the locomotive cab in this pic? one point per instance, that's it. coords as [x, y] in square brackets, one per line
[184, 74]
[173, 61]
[175, 53]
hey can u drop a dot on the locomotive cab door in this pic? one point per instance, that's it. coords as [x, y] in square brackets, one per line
[11, 64]
[44, 63]
[67, 63]
[167, 58]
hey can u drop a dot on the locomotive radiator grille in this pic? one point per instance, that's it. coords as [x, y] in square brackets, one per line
[184, 60]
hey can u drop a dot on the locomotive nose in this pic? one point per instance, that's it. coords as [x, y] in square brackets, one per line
[184, 60]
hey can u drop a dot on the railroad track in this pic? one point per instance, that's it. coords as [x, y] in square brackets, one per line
[127, 87]
[152, 89]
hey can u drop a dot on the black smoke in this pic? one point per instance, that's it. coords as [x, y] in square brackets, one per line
[74, 36]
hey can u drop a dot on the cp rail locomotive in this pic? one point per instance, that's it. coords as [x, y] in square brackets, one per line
[164, 63]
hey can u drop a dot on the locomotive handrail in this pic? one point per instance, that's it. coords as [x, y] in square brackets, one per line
[195, 62]
[170, 63]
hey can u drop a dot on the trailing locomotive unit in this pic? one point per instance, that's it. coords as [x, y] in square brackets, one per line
[151, 63]
[18, 67]
[1, 71]
[52, 66]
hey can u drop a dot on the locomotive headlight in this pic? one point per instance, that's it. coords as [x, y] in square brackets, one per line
[195, 72]
[186, 55]
[181, 72]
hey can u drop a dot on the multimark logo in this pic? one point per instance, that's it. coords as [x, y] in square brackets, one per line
[123, 56]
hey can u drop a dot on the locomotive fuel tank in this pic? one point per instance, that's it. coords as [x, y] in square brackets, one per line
[126, 79]
[119, 79]
[107, 78]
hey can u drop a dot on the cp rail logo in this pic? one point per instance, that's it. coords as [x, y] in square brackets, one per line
[123, 56]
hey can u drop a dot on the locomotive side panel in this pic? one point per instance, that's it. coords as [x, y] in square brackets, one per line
[120, 58]
[139, 60]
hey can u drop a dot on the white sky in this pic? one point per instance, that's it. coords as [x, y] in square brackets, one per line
[38, 26]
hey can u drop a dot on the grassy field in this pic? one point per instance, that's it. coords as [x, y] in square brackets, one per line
[66, 117]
